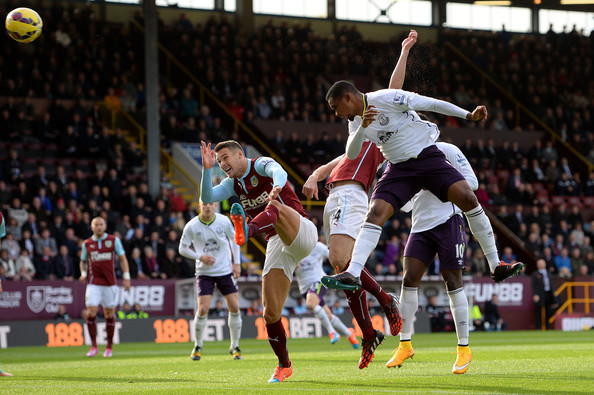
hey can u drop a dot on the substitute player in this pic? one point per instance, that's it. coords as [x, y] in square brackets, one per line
[308, 273]
[99, 252]
[208, 239]
[415, 163]
[348, 186]
[266, 196]
[437, 228]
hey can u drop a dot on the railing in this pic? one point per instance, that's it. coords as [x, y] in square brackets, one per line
[571, 300]
[519, 106]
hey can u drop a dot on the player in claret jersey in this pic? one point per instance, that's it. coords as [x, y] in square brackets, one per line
[100, 251]
[266, 196]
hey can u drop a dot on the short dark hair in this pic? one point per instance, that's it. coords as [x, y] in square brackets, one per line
[340, 88]
[231, 144]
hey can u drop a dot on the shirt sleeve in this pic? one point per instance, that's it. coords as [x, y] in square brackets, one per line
[268, 167]
[455, 156]
[210, 194]
[119, 248]
[404, 101]
[84, 256]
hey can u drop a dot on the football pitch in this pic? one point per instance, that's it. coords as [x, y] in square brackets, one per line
[551, 362]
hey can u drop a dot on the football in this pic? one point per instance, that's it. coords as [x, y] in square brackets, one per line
[23, 25]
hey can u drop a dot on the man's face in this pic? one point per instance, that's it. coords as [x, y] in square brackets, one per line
[343, 107]
[98, 226]
[208, 209]
[230, 162]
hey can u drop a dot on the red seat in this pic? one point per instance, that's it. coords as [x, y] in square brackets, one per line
[574, 201]
[589, 201]
[557, 200]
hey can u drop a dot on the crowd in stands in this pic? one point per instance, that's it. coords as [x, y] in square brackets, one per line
[273, 73]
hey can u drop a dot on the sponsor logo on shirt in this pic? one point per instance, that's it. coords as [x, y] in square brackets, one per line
[254, 203]
[211, 245]
[384, 135]
[101, 256]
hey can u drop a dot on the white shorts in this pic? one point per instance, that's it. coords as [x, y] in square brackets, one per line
[106, 295]
[286, 258]
[345, 211]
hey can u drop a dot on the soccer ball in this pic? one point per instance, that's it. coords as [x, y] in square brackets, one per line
[23, 24]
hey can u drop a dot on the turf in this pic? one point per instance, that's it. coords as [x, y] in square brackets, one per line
[508, 362]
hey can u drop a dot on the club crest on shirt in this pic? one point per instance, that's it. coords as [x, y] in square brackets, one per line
[108, 244]
[383, 120]
[254, 181]
[219, 230]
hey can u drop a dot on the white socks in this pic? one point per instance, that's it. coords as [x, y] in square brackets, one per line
[199, 325]
[323, 317]
[340, 326]
[459, 309]
[409, 303]
[366, 242]
[234, 322]
[481, 229]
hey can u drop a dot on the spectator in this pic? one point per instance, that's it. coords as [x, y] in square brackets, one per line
[171, 265]
[436, 315]
[8, 263]
[563, 263]
[219, 310]
[24, 268]
[139, 312]
[493, 321]
[44, 265]
[255, 308]
[126, 312]
[65, 267]
[300, 308]
[542, 295]
[62, 315]
[151, 263]
[45, 240]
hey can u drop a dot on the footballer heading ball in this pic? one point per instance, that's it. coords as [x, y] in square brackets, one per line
[23, 24]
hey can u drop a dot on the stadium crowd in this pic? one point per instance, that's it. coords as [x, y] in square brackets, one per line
[61, 168]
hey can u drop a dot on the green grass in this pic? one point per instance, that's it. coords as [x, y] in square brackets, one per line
[510, 362]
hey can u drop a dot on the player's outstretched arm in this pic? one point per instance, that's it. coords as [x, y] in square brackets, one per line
[397, 78]
[310, 188]
[479, 113]
[355, 140]
[83, 270]
[208, 155]
[125, 272]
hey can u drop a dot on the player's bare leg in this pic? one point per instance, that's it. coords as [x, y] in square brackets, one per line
[285, 220]
[235, 323]
[288, 222]
[462, 196]
[109, 328]
[379, 211]
[275, 288]
[92, 327]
